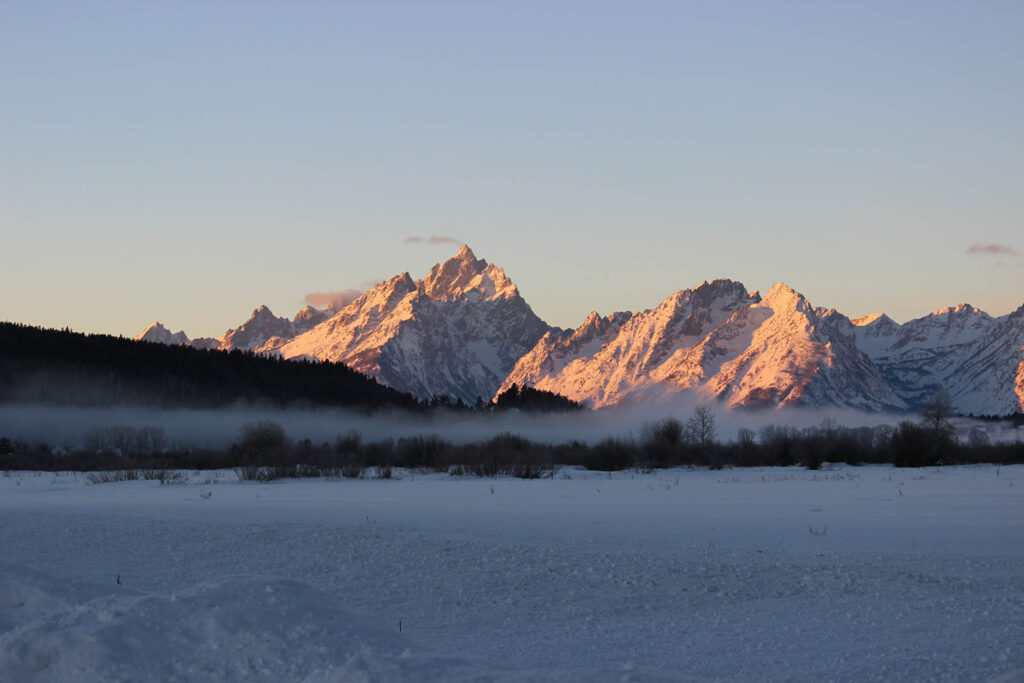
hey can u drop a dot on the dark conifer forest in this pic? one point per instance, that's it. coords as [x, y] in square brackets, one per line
[70, 368]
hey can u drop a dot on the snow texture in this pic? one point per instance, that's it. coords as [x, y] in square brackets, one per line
[848, 574]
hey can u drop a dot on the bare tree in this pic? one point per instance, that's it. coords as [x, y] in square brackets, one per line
[700, 429]
[935, 414]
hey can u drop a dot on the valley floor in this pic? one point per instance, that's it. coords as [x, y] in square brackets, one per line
[850, 573]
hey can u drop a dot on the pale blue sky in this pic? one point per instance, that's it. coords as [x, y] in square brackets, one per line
[189, 161]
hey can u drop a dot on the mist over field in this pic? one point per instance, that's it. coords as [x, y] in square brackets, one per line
[69, 427]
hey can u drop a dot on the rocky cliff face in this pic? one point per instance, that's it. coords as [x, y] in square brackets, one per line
[457, 332]
[717, 340]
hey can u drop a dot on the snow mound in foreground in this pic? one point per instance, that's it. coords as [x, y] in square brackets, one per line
[235, 628]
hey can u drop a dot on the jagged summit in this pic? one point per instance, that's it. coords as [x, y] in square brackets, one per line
[309, 317]
[159, 334]
[960, 309]
[782, 295]
[466, 275]
[595, 324]
[456, 332]
[262, 313]
[384, 294]
[870, 319]
[262, 332]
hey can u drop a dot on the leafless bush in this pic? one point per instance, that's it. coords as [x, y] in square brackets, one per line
[531, 471]
[112, 477]
[263, 440]
[353, 471]
[165, 476]
[249, 473]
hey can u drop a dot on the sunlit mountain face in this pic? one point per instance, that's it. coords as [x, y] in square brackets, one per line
[464, 332]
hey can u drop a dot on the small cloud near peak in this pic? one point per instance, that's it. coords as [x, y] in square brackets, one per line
[988, 249]
[433, 239]
[332, 299]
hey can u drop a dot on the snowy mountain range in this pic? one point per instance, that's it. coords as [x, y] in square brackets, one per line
[457, 332]
[464, 331]
[717, 340]
[263, 332]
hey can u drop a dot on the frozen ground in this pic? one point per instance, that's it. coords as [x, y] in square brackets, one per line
[868, 573]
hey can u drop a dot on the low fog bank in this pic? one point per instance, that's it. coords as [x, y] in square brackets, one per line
[68, 427]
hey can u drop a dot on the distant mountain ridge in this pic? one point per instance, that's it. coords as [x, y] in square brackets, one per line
[457, 332]
[978, 359]
[263, 332]
[464, 331]
[718, 341]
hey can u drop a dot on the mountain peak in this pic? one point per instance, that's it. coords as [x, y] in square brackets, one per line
[780, 289]
[263, 314]
[464, 274]
[725, 288]
[155, 327]
[781, 292]
[458, 332]
[159, 334]
[308, 318]
[865, 320]
[958, 310]
[781, 297]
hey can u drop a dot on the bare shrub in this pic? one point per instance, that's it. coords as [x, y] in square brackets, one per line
[353, 471]
[165, 476]
[661, 442]
[610, 455]
[112, 477]
[263, 441]
[422, 452]
[531, 471]
[249, 473]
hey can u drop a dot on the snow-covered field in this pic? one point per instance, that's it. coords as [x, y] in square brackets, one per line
[868, 573]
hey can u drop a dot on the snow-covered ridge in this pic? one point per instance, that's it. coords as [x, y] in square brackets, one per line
[465, 332]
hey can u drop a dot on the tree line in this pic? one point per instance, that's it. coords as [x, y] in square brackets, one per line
[263, 451]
